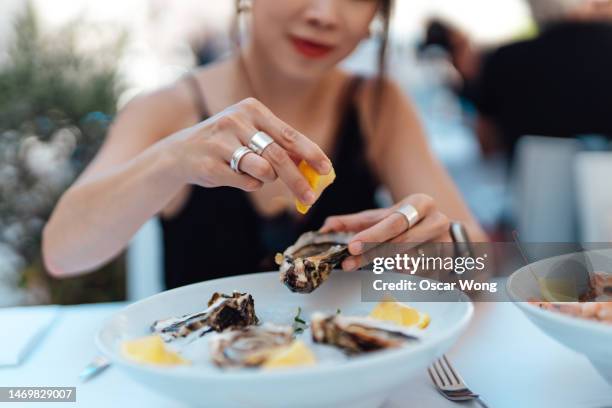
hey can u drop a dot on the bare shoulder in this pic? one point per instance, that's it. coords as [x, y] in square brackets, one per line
[163, 110]
[175, 106]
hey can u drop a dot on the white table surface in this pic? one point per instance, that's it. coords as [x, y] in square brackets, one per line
[502, 356]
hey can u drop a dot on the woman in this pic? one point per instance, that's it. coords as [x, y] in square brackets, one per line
[168, 149]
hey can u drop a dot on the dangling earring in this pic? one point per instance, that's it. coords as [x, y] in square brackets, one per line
[376, 27]
[244, 6]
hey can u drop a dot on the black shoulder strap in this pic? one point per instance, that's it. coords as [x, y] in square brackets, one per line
[198, 98]
[346, 104]
[353, 87]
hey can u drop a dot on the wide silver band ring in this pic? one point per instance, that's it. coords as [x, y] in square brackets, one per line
[259, 142]
[411, 214]
[238, 154]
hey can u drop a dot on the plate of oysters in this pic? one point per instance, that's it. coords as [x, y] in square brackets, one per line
[301, 336]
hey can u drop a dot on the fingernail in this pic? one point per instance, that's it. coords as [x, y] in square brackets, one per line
[356, 248]
[349, 265]
[325, 168]
[309, 197]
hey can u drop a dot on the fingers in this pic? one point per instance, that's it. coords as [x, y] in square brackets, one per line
[288, 172]
[433, 228]
[393, 224]
[228, 177]
[257, 167]
[259, 118]
[242, 121]
[287, 137]
[385, 251]
[214, 170]
[354, 222]
[422, 203]
[391, 227]
[251, 163]
[383, 231]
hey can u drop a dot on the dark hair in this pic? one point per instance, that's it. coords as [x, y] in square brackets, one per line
[385, 10]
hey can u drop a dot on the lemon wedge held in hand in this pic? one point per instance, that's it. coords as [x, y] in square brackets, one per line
[402, 315]
[317, 182]
[294, 355]
[152, 350]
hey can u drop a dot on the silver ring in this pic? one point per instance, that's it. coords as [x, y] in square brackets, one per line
[238, 154]
[411, 214]
[259, 142]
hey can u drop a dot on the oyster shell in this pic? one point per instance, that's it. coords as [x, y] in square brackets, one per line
[250, 346]
[223, 312]
[305, 265]
[357, 335]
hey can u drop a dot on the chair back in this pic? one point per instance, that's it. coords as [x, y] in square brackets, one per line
[594, 192]
[544, 194]
[145, 262]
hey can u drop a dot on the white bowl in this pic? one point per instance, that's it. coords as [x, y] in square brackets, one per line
[591, 338]
[363, 381]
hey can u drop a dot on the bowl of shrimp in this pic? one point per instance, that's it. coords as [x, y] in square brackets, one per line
[569, 297]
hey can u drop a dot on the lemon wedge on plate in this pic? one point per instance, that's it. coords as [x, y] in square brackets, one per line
[152, 350]
[317, 182]
[294, 355]
[400, 314]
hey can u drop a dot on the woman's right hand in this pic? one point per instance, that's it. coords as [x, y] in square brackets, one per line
[203, 152]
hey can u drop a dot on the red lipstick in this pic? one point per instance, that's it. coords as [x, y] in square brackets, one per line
[310, 49]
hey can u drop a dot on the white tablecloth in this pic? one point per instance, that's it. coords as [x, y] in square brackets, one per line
[502, 356]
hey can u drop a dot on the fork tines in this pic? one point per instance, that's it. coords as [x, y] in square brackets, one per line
[447, 380]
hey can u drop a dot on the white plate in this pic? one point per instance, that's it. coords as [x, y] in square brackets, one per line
[593, 339]
[361, 381]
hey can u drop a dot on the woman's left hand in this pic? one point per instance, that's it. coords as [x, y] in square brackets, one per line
[387, 225]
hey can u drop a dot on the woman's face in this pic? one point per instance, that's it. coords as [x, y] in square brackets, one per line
[305, 38]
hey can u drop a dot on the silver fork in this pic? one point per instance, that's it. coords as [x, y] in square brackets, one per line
[95, 367]
[450, 384]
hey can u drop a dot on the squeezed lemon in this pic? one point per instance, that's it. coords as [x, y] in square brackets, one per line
[317, 182]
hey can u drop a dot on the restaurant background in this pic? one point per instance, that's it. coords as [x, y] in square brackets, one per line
[66, 67]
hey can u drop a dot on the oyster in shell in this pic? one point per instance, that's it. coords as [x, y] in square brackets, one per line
[223, 312]
[305, 265]
[357, 335]
[250, 346]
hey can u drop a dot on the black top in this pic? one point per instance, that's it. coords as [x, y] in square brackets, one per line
[559, 84]
[219, 233]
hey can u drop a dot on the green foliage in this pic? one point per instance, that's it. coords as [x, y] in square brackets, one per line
[46, 76]
[53, 84]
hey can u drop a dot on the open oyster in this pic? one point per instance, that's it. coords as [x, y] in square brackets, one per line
[224, 311]
[357, 335]
[305, 265]
[250, 346]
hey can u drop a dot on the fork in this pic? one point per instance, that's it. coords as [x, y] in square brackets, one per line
[95, 367]
[450, 384]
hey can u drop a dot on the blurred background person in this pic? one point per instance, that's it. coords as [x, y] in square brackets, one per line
[556, 84]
